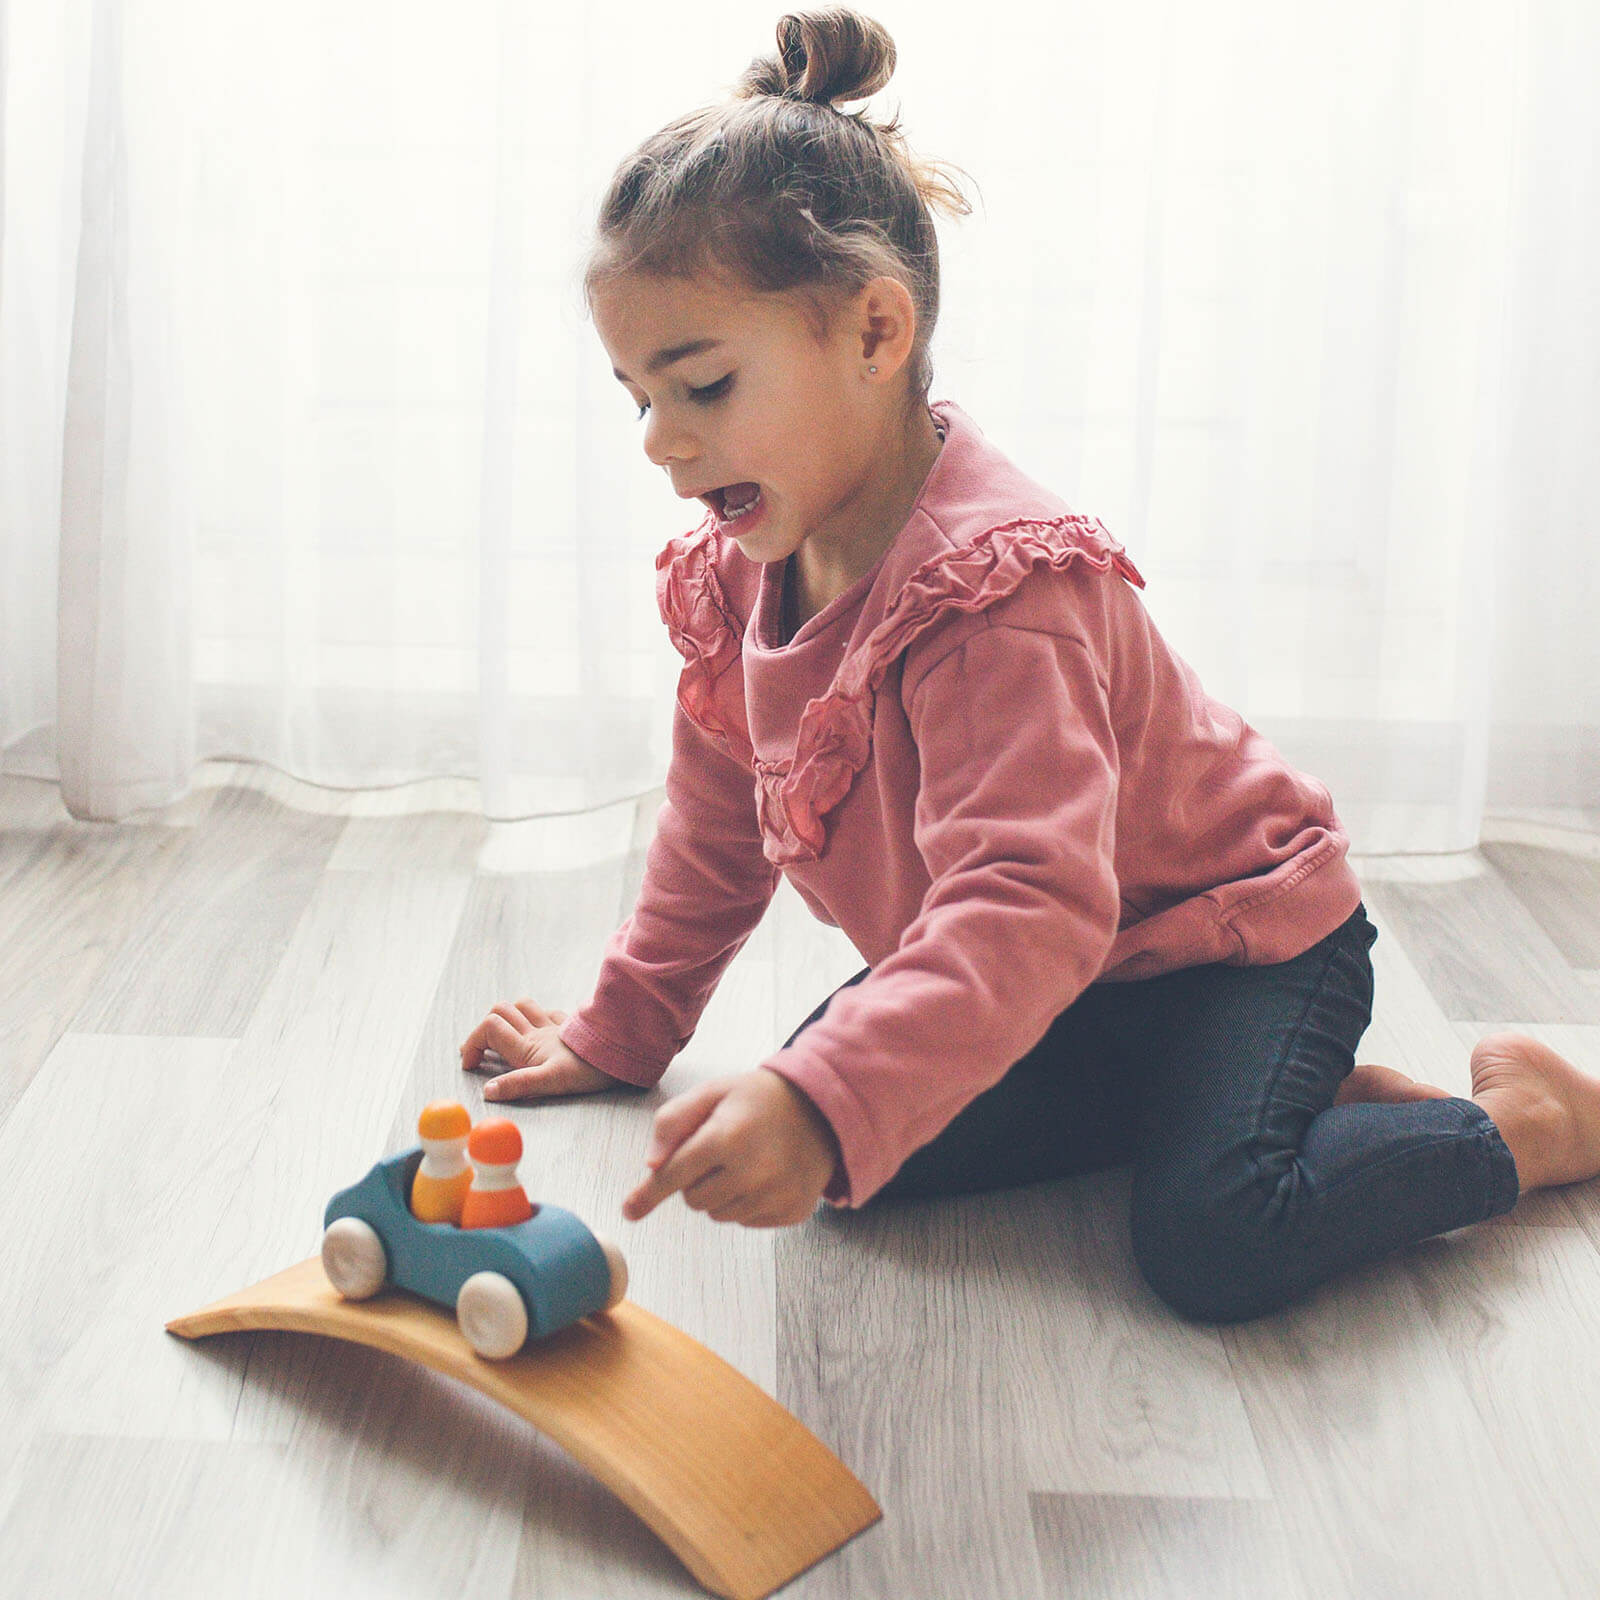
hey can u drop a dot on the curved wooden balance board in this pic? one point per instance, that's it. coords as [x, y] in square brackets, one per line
[738, 1489]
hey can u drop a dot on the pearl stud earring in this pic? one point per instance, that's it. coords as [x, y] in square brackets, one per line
[872, 369]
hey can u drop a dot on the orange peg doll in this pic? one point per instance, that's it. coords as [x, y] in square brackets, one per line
[441, 1184]
[495, 1198]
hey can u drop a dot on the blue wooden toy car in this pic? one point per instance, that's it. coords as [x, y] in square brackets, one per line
[505, 1285]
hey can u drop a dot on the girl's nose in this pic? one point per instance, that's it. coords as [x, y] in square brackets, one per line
[665, 443]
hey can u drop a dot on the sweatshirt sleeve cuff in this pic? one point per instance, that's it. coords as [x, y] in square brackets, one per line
[863, 1170]
[582, 1040]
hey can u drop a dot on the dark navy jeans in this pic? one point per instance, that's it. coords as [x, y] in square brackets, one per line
[1216, 1082]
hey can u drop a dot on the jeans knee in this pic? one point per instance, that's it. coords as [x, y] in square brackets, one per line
[1208, 1265]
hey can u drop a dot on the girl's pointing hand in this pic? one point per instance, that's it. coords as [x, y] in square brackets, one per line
[749, 1148]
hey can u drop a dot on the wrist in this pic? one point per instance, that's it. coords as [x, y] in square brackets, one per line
[812, 1116]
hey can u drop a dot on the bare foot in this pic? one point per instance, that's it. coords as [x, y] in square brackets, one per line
[1546, 1109]
[1368, 1083]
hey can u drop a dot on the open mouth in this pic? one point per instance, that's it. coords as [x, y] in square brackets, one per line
[734, 500]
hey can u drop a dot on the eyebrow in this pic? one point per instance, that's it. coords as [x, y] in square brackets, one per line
[665, 358]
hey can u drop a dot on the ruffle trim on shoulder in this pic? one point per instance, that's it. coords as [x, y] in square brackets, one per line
[835, 735]
[703, 627]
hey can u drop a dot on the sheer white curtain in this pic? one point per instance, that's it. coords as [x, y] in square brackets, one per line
[309, 456]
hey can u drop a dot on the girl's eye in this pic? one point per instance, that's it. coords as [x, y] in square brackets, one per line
[711, 392]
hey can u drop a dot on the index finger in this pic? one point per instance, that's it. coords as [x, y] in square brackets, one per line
[692, 1160]
[472, 1047]
[477, 1044]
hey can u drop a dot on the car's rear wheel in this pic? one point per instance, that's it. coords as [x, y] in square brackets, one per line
[354, 1258]
[493, 1319]
[619, 1271]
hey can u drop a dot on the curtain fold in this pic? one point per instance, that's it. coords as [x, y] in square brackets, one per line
[310, 456]
[124, 728]
[502, 346]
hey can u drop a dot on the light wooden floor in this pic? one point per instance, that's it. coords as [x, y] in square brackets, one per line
[216, 1016]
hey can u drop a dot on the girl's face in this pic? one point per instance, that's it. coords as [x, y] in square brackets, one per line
[738, 391]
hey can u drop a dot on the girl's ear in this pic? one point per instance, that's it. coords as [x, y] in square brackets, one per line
[887, 322]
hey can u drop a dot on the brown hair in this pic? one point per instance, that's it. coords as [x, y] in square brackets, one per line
[776, 190]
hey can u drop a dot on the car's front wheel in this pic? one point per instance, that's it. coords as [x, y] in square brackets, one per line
[493, 1319]
[354, 1258]
[618, 1264]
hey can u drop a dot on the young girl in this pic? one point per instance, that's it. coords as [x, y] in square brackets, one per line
[1105, 921]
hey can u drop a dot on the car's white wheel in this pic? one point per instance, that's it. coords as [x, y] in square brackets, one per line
[492, 1316]
[354, 1258]
[619, 1271]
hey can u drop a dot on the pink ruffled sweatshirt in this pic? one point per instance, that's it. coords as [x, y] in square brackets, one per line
[984, 763]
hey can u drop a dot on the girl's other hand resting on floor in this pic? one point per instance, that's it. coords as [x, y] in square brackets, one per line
[527, 1039]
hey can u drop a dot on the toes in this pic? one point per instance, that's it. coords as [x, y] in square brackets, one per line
[1356, 1088]
[1375, 1085]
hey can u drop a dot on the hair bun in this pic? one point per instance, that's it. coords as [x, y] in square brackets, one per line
[825, 55]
